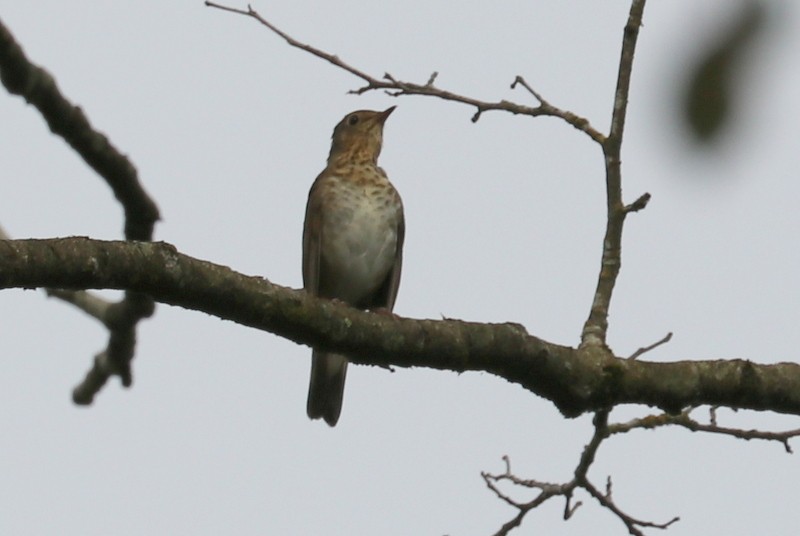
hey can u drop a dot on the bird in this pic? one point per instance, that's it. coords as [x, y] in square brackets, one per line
[352, 242]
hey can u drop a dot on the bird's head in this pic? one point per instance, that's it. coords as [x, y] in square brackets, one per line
[358, 137]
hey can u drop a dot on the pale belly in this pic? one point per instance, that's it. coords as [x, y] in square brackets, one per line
[359, 245]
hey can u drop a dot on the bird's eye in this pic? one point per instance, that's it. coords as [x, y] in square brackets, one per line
[353, 119]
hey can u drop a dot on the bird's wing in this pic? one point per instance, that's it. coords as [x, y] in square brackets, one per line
[387, 294]
[312, 239]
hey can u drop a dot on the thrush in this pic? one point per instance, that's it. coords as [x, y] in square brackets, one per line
[352, 242]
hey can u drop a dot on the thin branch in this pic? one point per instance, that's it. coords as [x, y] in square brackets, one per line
[396, 87]
[631, 523]
[575, 120]
[596, 327]
[641, 351]
[330, 58]
[522, 82]
[570, 509]
[121, 319]
[782, 437]
[547, 491]
[580, 480]
[639, 204]
[432, 79]
[685, 420]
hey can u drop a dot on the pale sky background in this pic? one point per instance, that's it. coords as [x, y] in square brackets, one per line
[228, 126]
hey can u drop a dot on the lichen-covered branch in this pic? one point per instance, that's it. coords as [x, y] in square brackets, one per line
[576, 380]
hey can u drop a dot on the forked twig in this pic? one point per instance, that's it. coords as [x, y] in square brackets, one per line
[396, 87]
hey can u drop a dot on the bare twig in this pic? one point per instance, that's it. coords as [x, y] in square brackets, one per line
[685, 420]
[432, 79]
[522, 82]
[595, 328]
[396, 87]
[639, 204]
[547, 491]
[600, 423]
[645, 349]
[569, 508]
[121, 320]
[781, 437]
[580, 480]
[631, 523]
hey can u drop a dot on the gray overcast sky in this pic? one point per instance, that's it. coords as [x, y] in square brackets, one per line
[228, 126]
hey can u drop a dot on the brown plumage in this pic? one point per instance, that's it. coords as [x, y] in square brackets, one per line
[352, 242]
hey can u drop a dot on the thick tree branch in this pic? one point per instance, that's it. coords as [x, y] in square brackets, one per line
[395, 87]
[575, 380]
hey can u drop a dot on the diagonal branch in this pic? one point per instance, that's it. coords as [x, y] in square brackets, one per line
[21, 77]
[37, 87]
[643, 350]
[395, 87]
[631, 523]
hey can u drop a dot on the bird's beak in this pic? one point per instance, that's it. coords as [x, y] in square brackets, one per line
[384, 115]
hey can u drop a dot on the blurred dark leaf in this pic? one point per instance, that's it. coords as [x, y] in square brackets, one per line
[709, 102]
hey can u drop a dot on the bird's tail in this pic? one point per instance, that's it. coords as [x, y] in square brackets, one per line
[326, 388]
